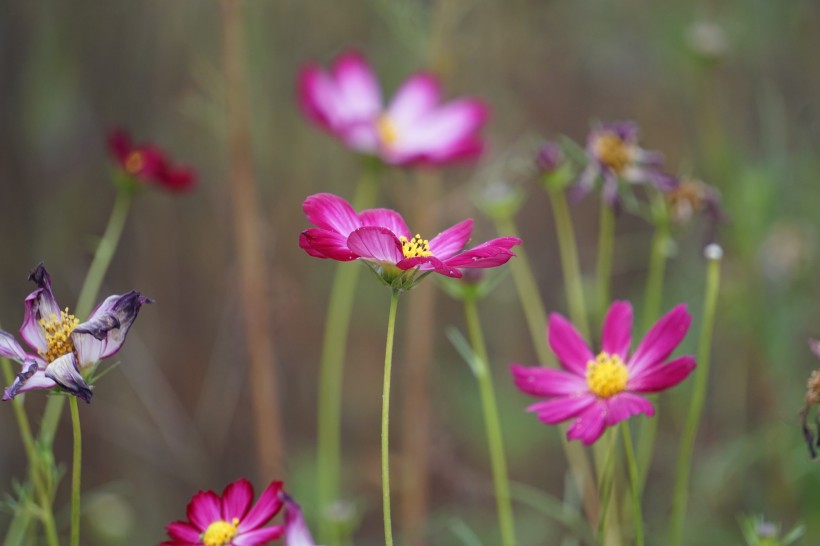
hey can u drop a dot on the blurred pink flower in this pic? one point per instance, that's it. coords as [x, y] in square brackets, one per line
[381, 238]
[65, 347]
[296, 530]
[148, 163]
[229, 520]
[415, 128]
[601, 391]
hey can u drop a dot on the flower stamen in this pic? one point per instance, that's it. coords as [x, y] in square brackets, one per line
[613, 151]
[387, 130]
[607, 375]
[415, 247]
[134, 163]
[57, 332]
[220, 533]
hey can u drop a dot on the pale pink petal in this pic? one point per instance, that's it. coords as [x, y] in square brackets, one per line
[329, 211]
[204, 509]
[561, 409]
[360, 135]
[440, 133]
[624, 405]
[451, 240]
[541, 381]
[662, 376]
[296, 531]
[617, 334]
[661, 340]
[390, 219]
[32, 376]
[589, 426]
[39, 305]
[358, 87]
[323, 243]
[481, 257]
[259, 537]
[376, 243]
[315, 93]
[265, 508]
[568, 345]
[184, 531]
[429, 263]
[415, 98]
[10, 348]
[236, 499]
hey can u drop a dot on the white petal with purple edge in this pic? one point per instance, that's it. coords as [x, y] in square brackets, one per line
[31, 377]
[10, 348]
[65, 373]
[103, 334]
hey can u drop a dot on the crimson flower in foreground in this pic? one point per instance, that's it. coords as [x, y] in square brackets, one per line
[229, 520]
[414, 128]
[66, 350]
[603, 390]
[148, 163]
[383, 241]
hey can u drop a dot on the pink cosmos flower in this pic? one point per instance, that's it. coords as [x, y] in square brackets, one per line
[383, 241]
[413, 129]
[603, 390]
[148, 163]
[229, 520]
[66, 348]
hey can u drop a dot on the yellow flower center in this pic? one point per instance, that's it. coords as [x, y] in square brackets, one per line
[219, 533]
[134, 163]
[58, 335]
[415, 247]
[606, 375]
[387, 130]
[613, 152]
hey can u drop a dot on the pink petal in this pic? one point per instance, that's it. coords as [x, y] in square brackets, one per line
[568, 345]
[589, 426]
[561, 409]
[10, 348]
[236, 499]
[440, 134]
[415, 98]
[323, 243]
[259, 537]
[541, 381]
[315, 94]
[182, 530]
[40, 304]
[481, 257]
[331, 212]
[265, 508]
[661, 340]
[204, 509]
[387, 218]
[624, 405]
[296, 531]
[179, 543]
[451, 240]
[429, 263]
[617, 334]
[662, 376]
[360, 94]
[376, 243]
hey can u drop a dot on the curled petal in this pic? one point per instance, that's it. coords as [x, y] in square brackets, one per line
[429, 263]
[103, 334]
[624, 405]
[387, 218]
[451, 240]
[617, 334]
[568, 345]
[31, 377]
[376, 243]
[589, 426]
[323, 243]
[236, 499]
[541, 381]
[661, 340]
[65, 373]
[296, 531]
[265, 508]
[561, 409]
[331, 212]
[39, 305]
[663, 376]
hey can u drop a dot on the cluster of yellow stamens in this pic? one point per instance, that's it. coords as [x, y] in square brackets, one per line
[134, 162]
[58, 334]
[415, 247]
[220, 533]
[387, 130]
[606, 375]
[613, 151]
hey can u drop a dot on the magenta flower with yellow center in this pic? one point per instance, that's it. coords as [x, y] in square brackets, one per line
[229, 519]
[381, 238]
[414, 128]
[599, 391]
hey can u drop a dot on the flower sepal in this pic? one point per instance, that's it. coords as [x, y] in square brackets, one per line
[394, 278]
[559, 178]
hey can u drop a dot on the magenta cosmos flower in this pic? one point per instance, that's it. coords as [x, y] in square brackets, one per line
[383, 241]
[229, 520]
[148, 163]
[601, 391]
[414, 128]
[67, 351]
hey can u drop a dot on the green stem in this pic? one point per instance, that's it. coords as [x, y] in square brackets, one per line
[569, 261]
[634, 484]
[603, 273]
[492, 424]
[76, 469]
[388, 366]
[91, 287]
[681, 492]
[331, 375]
[605, 485]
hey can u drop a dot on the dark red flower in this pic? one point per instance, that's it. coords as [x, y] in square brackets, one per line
[148, 163]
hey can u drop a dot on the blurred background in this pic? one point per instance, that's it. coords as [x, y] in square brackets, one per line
[727, 90]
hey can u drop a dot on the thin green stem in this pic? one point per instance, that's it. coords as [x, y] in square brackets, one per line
[687, 445]
[331, 375]
[634, 484]
[603, 272]
[388, 366]
[605, 485]
[76, 469]
[492, 425]
[569, 261]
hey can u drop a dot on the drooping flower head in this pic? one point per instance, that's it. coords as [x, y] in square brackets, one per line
[229, 519]
[599, 391]
[147, 163]
[66, 350]
[381, 239]
[613, 154]
[414, 128]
